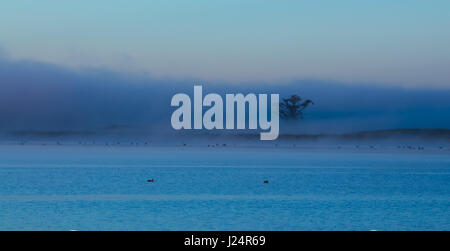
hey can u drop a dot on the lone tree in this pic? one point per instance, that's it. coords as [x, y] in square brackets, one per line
[292, 107]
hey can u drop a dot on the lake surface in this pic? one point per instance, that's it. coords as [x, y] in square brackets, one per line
[106, 188]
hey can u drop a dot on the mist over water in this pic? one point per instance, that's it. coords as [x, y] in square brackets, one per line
[41, 100]
[87, 138]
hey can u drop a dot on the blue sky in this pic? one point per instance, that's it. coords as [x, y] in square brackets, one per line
[395, 42]
[82, 65]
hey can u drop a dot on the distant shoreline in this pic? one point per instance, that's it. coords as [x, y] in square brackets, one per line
[286, 147]
[421, 135]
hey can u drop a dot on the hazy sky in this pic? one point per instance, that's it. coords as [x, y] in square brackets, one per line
[391, 42]
[39, 96]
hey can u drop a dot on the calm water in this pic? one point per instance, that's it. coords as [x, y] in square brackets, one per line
[101, 188]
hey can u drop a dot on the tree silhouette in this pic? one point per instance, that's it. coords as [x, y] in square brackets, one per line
[292, 107]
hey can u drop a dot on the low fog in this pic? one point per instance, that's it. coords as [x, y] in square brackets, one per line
[45, 100]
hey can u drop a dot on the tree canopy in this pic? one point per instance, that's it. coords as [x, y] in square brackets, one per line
[293, 107]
